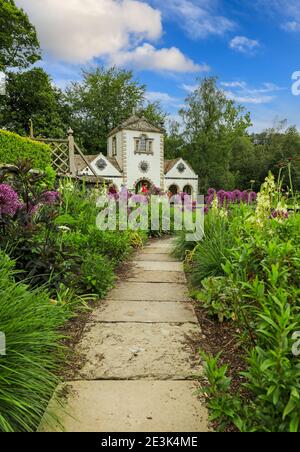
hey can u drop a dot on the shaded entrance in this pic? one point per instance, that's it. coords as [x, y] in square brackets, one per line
[188, 190]
[173, 189]
[143, 186]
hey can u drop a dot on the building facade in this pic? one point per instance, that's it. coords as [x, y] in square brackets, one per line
[135, 157]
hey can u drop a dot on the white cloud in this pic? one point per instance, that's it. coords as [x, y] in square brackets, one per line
[293, 26]
[248, 99]
[199, 18]
[244, 45]
[189, 88]
[165, 99]
[233, 84]
[147, 57]
[287, 12]
[77, 31]
[239, 91]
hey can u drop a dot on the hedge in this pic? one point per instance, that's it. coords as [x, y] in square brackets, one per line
[13, 148]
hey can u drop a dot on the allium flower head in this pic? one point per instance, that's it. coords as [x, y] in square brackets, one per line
[211, 192]
[9, 202]
[50, 197]
[237, 195]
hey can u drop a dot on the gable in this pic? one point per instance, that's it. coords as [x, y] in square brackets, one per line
[138, 124]
[179, 168]
[103, 166]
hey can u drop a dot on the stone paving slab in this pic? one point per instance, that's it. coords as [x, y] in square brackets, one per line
[130, 291]
[145, 311]
[159, 266]
[131, 406]
[138, 351]
[140, 275]
[155, 250]
[146, 257]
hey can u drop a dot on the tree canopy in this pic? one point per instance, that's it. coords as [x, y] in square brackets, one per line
[31, 96]
[102, 100]
[19, 45]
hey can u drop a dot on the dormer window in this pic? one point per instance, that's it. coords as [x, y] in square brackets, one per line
[143, 144]
[114, 146]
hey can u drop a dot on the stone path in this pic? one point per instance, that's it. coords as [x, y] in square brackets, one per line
[138, 356]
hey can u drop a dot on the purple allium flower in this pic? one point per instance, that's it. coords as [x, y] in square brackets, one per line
[176, 199]
[211, 192]
[50, 197]
[245, 196]
[280, 214]
[9, 202]
[141, 199]
[252, 196]
[124, 194]
[156, 191]
[228, 197]
[33, 208]
[237, 195]
[221, 197]
[209, 199]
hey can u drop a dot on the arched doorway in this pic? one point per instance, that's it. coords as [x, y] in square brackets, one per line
[188, 190]
[143, 186]
[173, 189]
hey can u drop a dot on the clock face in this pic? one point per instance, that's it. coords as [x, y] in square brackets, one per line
[101, 164]
[144, 167]
[181, 168]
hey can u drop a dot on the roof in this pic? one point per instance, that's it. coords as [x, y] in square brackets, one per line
[169, 164]
[81, 165]
[138, 123]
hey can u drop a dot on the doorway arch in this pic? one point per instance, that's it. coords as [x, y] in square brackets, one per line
[173, 189]
[143, 183]
[188, 189]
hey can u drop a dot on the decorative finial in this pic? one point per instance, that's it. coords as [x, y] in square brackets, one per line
[70, 131]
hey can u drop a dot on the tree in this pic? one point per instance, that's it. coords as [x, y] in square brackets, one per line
[19, 45]
[31, 96]
[102, 101]
[274, 148]
[174, 142]
[212, 124]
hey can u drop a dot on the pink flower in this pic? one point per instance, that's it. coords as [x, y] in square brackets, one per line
[50, 197]
[9, 201]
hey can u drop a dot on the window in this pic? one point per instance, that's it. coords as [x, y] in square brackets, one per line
[114, 146]
[143, 145]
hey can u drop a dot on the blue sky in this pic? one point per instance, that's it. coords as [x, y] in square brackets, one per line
[251, 46]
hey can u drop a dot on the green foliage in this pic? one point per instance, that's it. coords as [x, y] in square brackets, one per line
[19, 45]
[210, 254]
[217, 296]
[31, 96]
[212, 123]
[102, 101]
[259, 290]
[97, 274]
[27, 372]
[14, 148]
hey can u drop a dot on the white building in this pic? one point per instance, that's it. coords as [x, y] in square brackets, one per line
[135, 157]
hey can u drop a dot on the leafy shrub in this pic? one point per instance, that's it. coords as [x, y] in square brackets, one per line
[257, 284]
[97, 274]
[30, 323]
[210, 254]
[113, 244]
[14, 148]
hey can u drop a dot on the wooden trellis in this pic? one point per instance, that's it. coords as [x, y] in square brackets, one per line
[63, 154]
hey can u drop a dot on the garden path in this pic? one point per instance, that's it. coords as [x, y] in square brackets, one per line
[138, 355]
